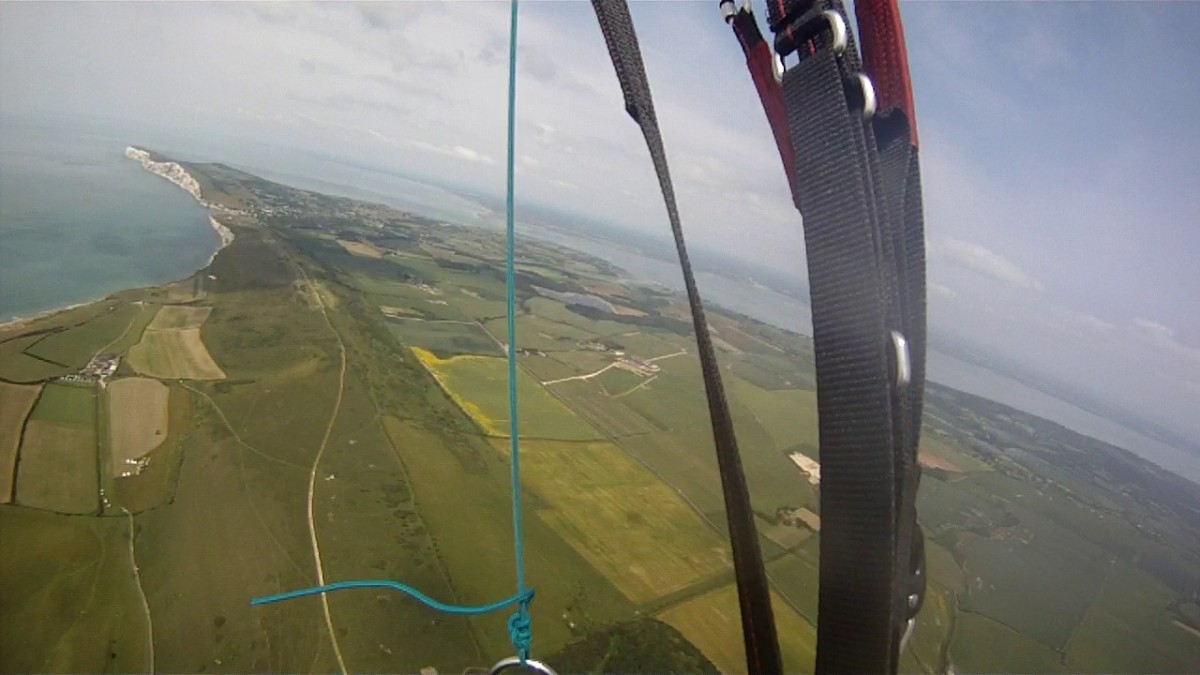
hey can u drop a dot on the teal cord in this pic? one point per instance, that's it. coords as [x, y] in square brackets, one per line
[520, 627]
[467, 610]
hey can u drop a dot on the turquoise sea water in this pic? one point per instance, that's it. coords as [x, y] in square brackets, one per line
[79, 221]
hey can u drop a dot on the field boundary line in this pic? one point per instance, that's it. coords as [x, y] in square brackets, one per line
[312, 476]
[681, 352]
[137, 577]
[635, 387]
[581, 377]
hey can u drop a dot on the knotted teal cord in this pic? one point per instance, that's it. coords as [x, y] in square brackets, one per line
[520, 627]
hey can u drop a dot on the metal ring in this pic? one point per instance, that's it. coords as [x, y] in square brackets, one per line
[837, 26]
[870, 102]
[903, 364]
[840, 38]
[515, 661]
[728, 9]
[909, 629]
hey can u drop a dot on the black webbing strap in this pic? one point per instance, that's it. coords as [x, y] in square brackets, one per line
[857, 185]
[758, 623]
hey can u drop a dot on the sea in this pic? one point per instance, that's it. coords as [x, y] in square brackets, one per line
[79, 221]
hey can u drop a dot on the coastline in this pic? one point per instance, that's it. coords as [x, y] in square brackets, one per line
[179, 176]
[18, 321]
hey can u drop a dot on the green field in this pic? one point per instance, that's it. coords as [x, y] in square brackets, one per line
[461, 487]
[68, 584]
[712, 622]
[1126, 630]
[615, 513]
[17, 366]
[479, 385]
[58, 468]
[982, 645]
[444, 338]
[618, 380]
[16, 401]
[1007, 578]
[606, 413]
[66, 404]
[75, 346]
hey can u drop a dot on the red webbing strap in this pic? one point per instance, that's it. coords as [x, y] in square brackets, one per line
[885, 57]
[762, 71]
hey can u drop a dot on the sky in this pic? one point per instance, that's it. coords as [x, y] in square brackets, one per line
[1060, 163]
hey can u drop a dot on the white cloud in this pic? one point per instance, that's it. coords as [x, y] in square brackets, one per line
[1163, 338]
[472, 155]
[943, 291]
[1154, 328]
[985, 261]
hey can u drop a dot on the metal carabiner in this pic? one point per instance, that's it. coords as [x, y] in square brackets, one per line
[515, 661]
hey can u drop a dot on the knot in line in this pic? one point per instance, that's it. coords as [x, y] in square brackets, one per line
[520, 628]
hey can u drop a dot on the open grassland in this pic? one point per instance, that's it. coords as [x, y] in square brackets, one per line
[635, 529]
[178, 317]
[368, 527]
[982, 645]
[712, 622]
[445, 338]
[16, 401]
[461, 486]
[75, 346]
[1127, 631]
[479, 385]
[57, 471]
[137, 419]
[69, 599]
[174, 354]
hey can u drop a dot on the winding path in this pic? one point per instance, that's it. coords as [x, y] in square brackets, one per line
[137, 576]
[312, 476]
